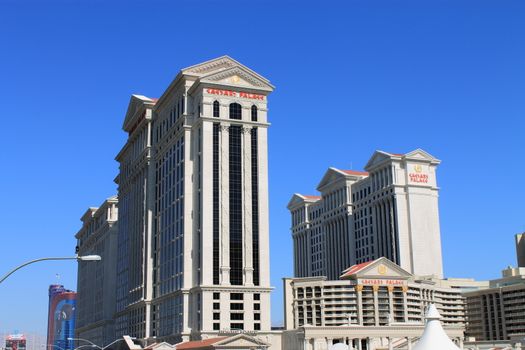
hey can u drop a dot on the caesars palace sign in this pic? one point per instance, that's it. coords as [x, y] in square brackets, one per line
[417, 176]
[231, 93]
[382, 282]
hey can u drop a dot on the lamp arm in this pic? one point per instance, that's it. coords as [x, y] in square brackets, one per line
[34, 261]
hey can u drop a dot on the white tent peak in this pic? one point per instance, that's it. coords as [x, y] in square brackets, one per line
[432, 313]
[434, 337]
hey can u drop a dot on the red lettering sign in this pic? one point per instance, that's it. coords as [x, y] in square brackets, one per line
[419, 178]
[235, 94]
[371, 282]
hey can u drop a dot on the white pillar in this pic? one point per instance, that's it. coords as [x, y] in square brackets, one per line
[359, 290]
[376, 305]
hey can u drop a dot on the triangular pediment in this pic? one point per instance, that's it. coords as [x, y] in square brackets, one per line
[238, 76]
[299, 199]
[225, 70]
[241, 341]
[136, 105]
[381, 268]
[211, 66]
[332, 175]
[420, 154]
[162, 346]
[377, 158]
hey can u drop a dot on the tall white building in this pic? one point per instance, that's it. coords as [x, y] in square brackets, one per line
[390, 210]
[136, 191]
[193, 255]
[96, 281]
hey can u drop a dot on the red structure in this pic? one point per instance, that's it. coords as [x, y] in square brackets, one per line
[15, 342]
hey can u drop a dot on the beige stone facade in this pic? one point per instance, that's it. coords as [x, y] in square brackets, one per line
[96, 281]
[193, 253]
[498, 313]
[373, 304]
[389, 210]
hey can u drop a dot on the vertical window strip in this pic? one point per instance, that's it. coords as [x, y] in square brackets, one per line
[216, 213]
[235, 182]
[255, 205]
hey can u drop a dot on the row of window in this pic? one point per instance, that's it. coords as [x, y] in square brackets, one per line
[235, 111]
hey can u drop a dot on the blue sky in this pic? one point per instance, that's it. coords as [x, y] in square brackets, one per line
[351, 77]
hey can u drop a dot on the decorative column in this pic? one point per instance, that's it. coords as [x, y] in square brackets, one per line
[322, 313]
[359, 291]
[247, 206]
[409, 343]
[376, 305]
[225, 207]
[359, 344]
[405, 303]
[390, 304]
[296, 313]
[390, 344]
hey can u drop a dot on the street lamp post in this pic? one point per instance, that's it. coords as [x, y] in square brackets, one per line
[78, 258]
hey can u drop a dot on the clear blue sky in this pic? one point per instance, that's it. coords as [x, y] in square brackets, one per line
[351, 77]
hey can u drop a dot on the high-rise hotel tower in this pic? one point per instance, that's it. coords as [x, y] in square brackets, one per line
[193, 255]
[390, 210]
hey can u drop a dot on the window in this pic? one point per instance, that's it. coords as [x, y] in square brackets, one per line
[216, 316]
[216, 306]
[238, 326]
[256, 306]
[237, 317]
[257, 326]
[257, 317]
[236, 306]
[216, 296]
[254, 113]
[256, 296]
[235, 111]
[216, 109]
[216, 326]
[236, 296]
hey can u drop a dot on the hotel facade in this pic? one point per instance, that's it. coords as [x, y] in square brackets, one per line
[389, 210]
[193, 249]
[95, 306]
[376, 304]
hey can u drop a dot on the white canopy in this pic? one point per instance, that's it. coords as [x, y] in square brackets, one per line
[434, 337]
